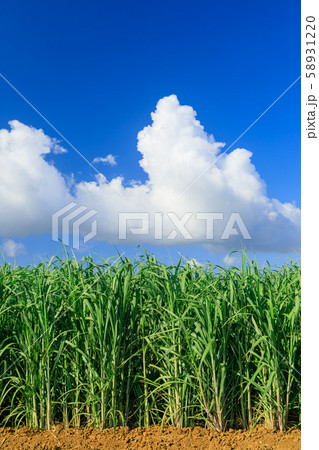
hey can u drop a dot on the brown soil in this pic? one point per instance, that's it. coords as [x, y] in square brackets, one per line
[150, 438]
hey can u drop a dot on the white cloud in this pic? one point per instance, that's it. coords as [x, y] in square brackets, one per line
[230, 260]
[31, 189]
[175, 150]
[109, 159]
[194, 262]
[12, 248]
[56, 148]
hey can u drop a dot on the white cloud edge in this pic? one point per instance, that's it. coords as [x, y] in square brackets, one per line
[11, 248]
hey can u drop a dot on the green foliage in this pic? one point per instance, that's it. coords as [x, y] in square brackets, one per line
[137, 343]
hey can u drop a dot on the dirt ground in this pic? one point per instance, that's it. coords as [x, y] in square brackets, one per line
[150, 438]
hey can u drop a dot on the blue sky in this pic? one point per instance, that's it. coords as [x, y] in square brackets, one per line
[97, 70]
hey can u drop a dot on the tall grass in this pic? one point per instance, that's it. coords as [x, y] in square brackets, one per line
[138, 343]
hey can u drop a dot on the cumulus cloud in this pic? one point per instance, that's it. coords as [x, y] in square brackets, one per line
[230, 260]
[31, 189]
[109, 159]
[194, 262]
[12, 248]
[175, 150]
[56, 148]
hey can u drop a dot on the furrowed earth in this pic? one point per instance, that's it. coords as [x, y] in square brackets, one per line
[148, 438]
